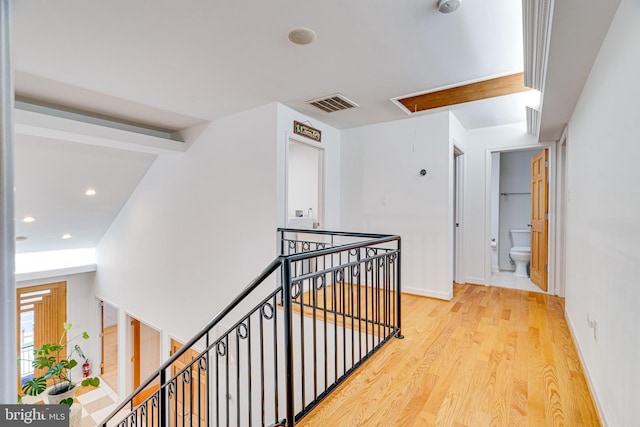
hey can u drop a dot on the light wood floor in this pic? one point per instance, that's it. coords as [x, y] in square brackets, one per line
[489, 357]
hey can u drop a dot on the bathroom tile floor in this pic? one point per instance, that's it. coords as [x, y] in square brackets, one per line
[96, 403]
[506, 279]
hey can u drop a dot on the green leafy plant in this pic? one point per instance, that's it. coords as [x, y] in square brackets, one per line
[58, 362]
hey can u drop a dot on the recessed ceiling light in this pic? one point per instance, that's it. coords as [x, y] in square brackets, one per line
[28, 219]
[302, 35]
[90, 192]
[21, 238]
[65, 236]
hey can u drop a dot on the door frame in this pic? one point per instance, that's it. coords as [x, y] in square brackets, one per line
[100, 316]
[322, 176]
[458, 209]
[131, 347]
[561, 209]
[552, 283]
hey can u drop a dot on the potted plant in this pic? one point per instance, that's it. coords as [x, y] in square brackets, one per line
[58, 362]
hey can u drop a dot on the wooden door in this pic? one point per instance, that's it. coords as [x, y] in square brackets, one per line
[41, 314]
[140, 353]
[190, 407]
[539, 218]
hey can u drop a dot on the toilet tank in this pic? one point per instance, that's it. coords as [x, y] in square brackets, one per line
[520, 237]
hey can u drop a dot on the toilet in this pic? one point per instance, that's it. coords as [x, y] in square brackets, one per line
[520, 251]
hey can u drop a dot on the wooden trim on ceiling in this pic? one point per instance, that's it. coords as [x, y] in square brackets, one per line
[484, 89]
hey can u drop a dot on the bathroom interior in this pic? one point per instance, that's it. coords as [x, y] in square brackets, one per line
[510, 219]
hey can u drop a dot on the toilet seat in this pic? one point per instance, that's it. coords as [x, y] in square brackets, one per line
[520, 249]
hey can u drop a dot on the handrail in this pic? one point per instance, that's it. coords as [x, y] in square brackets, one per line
[335, 233]
[341, 248]
[379, 283]
[273, 266]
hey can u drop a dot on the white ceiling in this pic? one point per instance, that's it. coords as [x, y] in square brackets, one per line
[174, 64]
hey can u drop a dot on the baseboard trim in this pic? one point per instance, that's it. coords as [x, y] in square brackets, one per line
[475, 280]
[426, 293]
[592, 388]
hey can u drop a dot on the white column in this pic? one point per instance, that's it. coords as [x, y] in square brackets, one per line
[8, 348]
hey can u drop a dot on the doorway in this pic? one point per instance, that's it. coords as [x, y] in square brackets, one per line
[109, 335]
[42, 312]
[458, 197]
[305, 185]
[144, 357]
[512, 209]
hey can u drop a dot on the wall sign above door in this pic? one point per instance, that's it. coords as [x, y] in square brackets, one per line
[306, 130]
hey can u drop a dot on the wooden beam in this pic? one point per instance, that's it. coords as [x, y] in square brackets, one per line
[490, 88]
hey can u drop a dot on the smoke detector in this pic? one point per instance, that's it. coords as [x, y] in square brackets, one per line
[302, 35]
[448, 6]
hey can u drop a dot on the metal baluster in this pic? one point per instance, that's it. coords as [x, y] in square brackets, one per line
[208, 380]
[162, 412]
[217, 355]
[262, 366]
[366, 301]
[302, 344]
[314, 295]
[275, 352]
[399, 292]
[288, 342]
[226, 361]
[358, 283]
[249, 369]
[238, 375]
[326, 355]
[335, 324]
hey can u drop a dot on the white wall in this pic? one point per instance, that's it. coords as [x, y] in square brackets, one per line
[603, 225]
[383, 192]
[202, 224]
[480, 143]
[199, 227]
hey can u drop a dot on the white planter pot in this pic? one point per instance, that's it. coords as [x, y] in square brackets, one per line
[55, 399]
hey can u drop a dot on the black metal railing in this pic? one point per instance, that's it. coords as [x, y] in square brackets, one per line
[285, 342]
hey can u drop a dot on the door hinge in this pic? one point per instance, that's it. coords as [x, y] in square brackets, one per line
[546, 268]
[546, 216]
[546, 163]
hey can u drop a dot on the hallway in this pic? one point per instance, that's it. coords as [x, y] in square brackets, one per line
[490, 356]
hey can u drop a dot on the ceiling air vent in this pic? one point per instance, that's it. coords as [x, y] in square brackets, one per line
[332, 103]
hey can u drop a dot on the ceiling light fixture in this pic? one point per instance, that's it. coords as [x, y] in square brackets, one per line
[302, 35]
[28, 219]
[65, 236]
[448, 6]
[90, 192]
